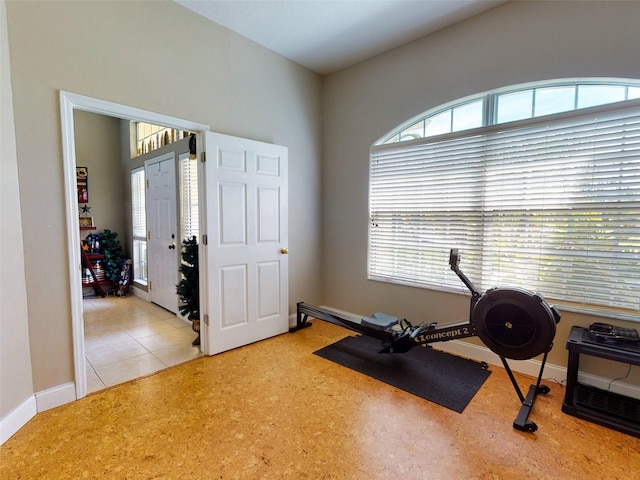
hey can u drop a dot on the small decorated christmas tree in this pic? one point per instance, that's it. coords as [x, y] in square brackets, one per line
[188, 288]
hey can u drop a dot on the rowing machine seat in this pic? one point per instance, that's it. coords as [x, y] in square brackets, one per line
[380, 321]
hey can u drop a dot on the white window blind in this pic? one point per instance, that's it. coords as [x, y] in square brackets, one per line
[549, 206]
[188, 196]
[138, 205]
[139, 224]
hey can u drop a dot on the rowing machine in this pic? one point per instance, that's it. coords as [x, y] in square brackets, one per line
[514, 323]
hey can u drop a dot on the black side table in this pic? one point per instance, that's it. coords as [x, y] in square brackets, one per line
[606, 408]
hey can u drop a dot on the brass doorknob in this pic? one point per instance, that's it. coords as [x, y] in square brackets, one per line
[284, 251]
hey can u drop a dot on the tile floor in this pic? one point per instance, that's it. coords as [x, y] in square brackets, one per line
[128, 337]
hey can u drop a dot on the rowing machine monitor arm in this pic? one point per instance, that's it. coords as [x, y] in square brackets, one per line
[454, 262]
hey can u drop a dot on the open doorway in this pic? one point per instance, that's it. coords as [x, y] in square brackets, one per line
[130, 336]
[70, 103]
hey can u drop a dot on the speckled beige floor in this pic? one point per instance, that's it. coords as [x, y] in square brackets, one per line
[127, 338]
[273, 410]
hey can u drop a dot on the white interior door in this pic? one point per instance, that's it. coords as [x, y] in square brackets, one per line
[163, 243]
[246, 286]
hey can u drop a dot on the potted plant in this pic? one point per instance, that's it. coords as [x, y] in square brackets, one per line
[188, 288]
[113, 256]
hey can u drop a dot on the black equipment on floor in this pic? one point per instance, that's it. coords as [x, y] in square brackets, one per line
[514, 323]
[424, 372]
[597, 405]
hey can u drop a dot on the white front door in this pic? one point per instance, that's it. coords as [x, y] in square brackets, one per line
[246, 286]
[163, 242]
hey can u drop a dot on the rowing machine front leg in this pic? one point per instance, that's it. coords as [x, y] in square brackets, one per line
[301, 319]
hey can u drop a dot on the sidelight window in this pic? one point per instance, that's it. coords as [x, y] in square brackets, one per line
[139, 225]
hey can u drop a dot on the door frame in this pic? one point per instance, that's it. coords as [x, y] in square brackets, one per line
[68, 103]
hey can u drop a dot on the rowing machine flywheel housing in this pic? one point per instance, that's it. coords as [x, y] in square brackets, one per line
[515, 323]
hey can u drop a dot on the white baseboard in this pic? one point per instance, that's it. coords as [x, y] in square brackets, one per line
[138, 292]
[17, 418]
[39, 402]
[483, 354]
[56, 396]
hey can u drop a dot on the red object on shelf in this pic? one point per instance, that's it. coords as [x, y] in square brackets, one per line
[92, 280]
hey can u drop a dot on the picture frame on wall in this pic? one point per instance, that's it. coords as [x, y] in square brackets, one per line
[86, 221]
[82, 181]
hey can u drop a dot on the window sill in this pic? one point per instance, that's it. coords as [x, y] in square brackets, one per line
[611, 313]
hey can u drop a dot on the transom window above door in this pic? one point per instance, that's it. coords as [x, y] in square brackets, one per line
[149, 137]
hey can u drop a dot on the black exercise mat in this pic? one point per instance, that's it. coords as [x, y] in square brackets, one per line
[436, 376]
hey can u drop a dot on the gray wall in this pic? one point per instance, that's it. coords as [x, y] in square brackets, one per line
[156, 56]
[514, 43]
[16, 382]
[97, 139]
[204, 73]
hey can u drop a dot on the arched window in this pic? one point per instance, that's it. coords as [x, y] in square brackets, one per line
[514, 103]
[537, 185]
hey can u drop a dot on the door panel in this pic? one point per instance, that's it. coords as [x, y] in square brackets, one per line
[268, 214]
[268, 289]
[246, 281]
[163, 247]
[233, 214]
[233, 288]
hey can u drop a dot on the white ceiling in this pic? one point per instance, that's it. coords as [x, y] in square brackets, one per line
[328, 35]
